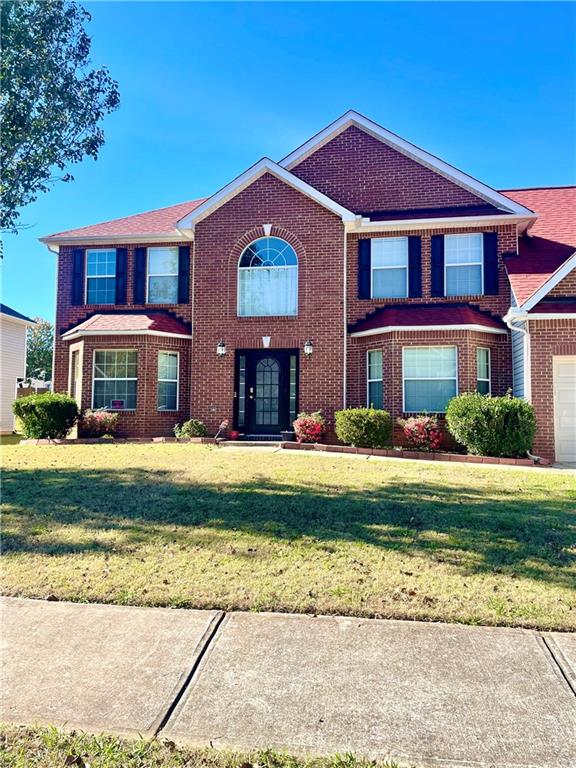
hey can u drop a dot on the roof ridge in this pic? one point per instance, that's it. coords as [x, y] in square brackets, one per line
[528, 189]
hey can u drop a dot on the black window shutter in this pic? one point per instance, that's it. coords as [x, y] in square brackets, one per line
[139, 275]
[437, 260]
[183, 274]
[121, 257]
[491, 263]
[414, 267]
[78, 259]
[364, 267]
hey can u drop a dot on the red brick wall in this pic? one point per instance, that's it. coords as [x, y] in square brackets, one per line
[318, 238]
[364, 174]
[548, 338]
[566, 287]
[499, 305]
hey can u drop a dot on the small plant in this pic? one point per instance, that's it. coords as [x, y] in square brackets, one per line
[364, 427]
[191, 428]
[422, 432]
[310, 427]
[492, 426]
[49, 415]
[98, 424]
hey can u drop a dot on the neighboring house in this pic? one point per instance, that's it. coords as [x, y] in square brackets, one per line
[13, 328]
[360, 269]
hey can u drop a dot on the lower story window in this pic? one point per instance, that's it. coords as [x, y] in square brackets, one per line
[483, 370]
[374, 379]
[168, 376]
[115, 379]
[430, 378]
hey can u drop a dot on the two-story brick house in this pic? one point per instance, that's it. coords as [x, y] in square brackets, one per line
[360, 269]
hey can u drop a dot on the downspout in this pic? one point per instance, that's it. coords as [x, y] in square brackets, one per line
[345, 313]
[509, 320]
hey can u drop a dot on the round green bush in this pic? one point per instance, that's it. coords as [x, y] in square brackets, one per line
[492, 426]
[364, 427]
[49, 415]
[191, 428]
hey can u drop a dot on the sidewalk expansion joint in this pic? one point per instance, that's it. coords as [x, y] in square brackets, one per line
[206, 642]
[555, 656]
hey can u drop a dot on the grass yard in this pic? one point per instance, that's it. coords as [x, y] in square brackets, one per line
[22, 747]
[197, 526]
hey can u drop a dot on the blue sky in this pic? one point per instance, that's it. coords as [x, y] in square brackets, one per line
[209, 88]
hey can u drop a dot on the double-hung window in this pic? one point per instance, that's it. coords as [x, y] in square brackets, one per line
[162, 276]
[374, 379]
[115, 379]
[430, 378]
[389, 265]
[168, 376]
[464, 265]
[483, 370]
[101, 276]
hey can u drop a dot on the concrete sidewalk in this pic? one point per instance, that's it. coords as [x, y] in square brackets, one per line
[421, 694]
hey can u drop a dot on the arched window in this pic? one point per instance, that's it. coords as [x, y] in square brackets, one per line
[268, 279]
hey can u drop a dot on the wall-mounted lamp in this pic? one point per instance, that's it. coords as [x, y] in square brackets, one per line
[221, 348]
[308, 348]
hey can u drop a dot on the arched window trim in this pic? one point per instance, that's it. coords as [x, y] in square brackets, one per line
[252, 268]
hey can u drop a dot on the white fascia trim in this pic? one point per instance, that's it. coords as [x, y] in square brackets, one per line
[18, 320]
[551, 316]
[562, 271]
[423, 328]
[248, 177]
[69, 335]
[168, 237]
[367, 225]
[406, 148]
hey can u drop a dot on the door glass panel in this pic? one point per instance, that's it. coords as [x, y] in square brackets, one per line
[241, 390]
[292, 393]
[267, 391]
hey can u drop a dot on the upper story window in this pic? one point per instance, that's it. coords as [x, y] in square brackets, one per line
[101, 276]
[268, 279]
[389, 268]
[464, 265]
[162, 286]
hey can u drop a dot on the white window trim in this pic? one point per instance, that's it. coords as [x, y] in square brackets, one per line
[98, 277]
[479, 378]
[130, 378]
[371, 381]
[374, 269]
[177, 380]
[467, 264]
[160, 274]
[251, 269]
[427, 378]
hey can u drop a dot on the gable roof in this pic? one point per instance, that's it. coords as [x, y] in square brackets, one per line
[14, 315]
[455, 316]
[548, 253]
[352, 118]
[159, 223]
[237, 185]
[158, 323]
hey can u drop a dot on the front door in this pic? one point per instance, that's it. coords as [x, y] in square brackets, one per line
[266, 390]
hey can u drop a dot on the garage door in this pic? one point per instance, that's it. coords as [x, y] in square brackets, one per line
[565, 408]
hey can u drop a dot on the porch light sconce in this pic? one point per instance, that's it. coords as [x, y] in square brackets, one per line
[308, 348]
[221, 348]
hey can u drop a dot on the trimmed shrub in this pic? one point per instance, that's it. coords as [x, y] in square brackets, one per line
[422, 432]
[492, 426]
[98, 424]
[49, 415]
[191, 428]
[310, 427]
[364, 427]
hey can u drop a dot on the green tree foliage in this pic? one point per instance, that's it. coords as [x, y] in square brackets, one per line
[39, 348]
[52, 102]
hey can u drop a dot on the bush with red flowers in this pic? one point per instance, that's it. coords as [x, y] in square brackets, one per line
[422, 432]
[98, 424]
[310, 427]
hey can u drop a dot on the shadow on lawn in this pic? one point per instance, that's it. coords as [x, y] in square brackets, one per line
[464, 527]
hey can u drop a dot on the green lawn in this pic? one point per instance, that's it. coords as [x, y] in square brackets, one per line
[50, 748]
[205, 527]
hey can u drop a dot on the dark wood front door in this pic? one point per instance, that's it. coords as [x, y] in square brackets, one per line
[266, 391]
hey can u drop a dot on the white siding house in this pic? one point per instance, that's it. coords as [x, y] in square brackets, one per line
[13, 328]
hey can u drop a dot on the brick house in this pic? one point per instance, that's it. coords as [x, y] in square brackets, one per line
[360, 269]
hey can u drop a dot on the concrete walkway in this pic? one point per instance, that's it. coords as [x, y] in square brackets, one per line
[421, 694]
